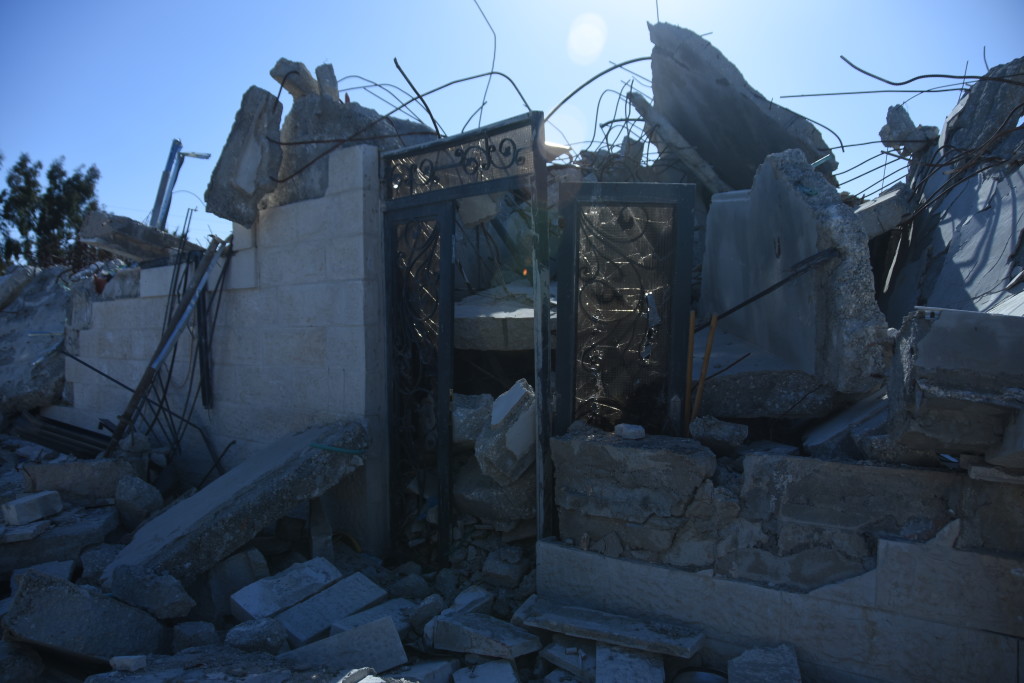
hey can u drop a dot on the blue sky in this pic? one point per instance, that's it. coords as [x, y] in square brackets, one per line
[112, 83]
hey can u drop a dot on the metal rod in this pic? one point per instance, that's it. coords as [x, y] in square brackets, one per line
[689, 371]
[703, 371]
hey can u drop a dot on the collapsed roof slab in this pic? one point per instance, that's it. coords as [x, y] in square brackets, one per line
[825, 323]
[129, 239]
[731, 125]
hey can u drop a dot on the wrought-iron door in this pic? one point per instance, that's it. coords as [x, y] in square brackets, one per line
[623, 293]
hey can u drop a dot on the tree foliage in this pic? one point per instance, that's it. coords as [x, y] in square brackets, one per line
[39, 224]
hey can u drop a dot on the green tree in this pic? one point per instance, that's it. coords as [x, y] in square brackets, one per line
[39, 225]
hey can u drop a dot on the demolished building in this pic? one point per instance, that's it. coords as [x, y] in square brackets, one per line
[820, 465]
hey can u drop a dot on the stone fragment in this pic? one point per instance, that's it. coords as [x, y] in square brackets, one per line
[899, 132]
[364, 675]
[81, 482]
[327, 82]
[765, 665]
[375, 644]
[616, 664]
[249, 161]
[162, 595]
[663, 637]
[505, 448]
[478, 495]
[718, 435]
[482, 635]
[19, 663]
[430, 607]
[470, 415]
[628, 431]
[136, 500]
[411, 587]
[258, 635]
[505, 567]
[61, 569]
[24, 532]
[885, 212]
[63, 537]
[576, 656]
[232, 574]
[128, 663]
[272, 595]
[472, 599]
[129, 239]
[32, 508]
[90, 625]
[193, 634]
[398, 610]
[295, 78]
[95, 560]
[427, 671]
[492, 672]
[188, 538]
[312, 618]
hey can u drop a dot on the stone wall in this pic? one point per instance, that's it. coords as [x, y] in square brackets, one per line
[298, 341]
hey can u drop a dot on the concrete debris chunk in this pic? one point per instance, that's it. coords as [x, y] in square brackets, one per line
[505, 448]
[95, 560]
[23, 532]
[129, 239]
[80, 482]
[427, 671]
[233, 574]
[295, 78]
[249, 161]
[718, 435]
[574, 655]
[491, 672]
[505, 566]
[13, 281]
[90, 625]
[900, 134]
[136, 500]
[58, 538]
[188, 538]
[19, 663]
[128, 663]
[766, 665]
[477, 494]
[622, 664]
[274, 594]
[470, 415]
[398, 610]
[375, 644]
[312, 618]
[885, 212]
[661, 637]
[411, 587]
[482, 635]
[61, 569]
[258, 635]
[163, 596]
[32, 508]
[628, 431]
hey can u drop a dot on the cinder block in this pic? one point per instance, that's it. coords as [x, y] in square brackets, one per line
[313, 616]
[272, 595]
[32, 508]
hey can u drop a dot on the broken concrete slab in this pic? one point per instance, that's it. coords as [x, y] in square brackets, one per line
[899, 133]
[128, 663]
[411, 587]
[498, 319]
[470, 414]
[766, 665]
[505, 567]
[375, 644]
[95, 559]
[825, 323]
[427, 671]
[492, 672]
[312, 618]
[61, 538]
[81, 482]
[478, 495]
[398, 610]
[23, 532]
[482, 634]
[660, 637]
[129, 239]
[954, 386]
[270, 596]
[575, 655]
[13, 281]
[193, 634]
[19, 663]
[191, 536]
[505, 448]
[885, 212]
[136, 500]
[79, 621]
[731, 125]
[258, 635]
[163, 596]
[249, 161]
[233, 574]
[623, 664]
[32, 508]
[61, 569]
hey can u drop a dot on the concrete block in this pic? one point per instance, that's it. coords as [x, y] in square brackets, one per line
[505, 449]
[622, 664]
[472, 599]
[128, 663]
[766, 665]
[477, 494]
[662, 637]
[886, 211]
[505, 567]
[127, 238]
[313, 617]
[60, 538]
[398, 610]
[232, 574]
[163, 596]
[492, 672]
[258, 635]
[427, 671]
[482, 635]
[470, 415]
[61, 569]
[411, 587]
[32, 508]
[193, 634]
[91, 625]
[188, 538]
[136, 500]
[275, 594]
[576, 656]
[375, 644]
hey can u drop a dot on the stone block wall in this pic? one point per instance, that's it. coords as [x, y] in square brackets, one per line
[298, 340]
